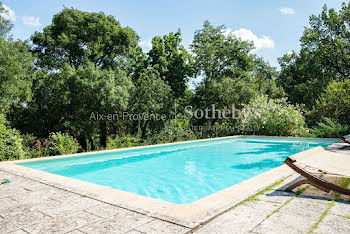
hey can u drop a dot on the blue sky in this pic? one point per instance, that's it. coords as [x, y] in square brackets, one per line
[275, 25]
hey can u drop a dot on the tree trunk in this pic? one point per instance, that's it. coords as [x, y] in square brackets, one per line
[82, 142]
[103, 134]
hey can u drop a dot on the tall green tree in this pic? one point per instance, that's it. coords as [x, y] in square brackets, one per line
[328, 38]
[76, 38]
[324, 56]
[5, 25]
[151, 96]
[70, 101]
[302, 77]
[16, 73]
[79, 39]
[172, 61]
[218, 55]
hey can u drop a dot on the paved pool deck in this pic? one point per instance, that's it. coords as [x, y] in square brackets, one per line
[30, 206]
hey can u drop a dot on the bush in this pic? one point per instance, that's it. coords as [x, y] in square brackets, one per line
[62, 143]
[330, 128]
[334, 103]
[273, 117]
[173, 131]
[35, 148]
[122, 142]
[11, 147]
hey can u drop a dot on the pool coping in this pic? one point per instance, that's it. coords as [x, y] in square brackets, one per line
[187, 215]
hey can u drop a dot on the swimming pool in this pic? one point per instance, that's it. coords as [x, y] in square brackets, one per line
[181, 173]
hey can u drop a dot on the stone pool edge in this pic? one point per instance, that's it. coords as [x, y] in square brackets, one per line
[187, 215]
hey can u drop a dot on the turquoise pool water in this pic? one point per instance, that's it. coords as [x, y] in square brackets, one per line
[181, 173]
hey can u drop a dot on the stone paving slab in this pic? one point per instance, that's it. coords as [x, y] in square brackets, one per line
[119, 223]
[63, 224]
[276, 197]
[341, 208]
[284, 223]
[20, 231]
[334, 224]
[242, 219]
[305, 208]
[158, 226]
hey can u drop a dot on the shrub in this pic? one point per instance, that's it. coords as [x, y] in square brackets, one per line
[334, 103]
[122, 142]
[34, 147]
[62, 143]
[330, 128]
[11, 147]
[274, 117]
[173, 131]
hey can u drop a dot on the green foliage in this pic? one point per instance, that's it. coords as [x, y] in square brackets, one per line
[333, 103]
[151, 96]
[11, 147]
[328, 38]
[302, 77]
[218, 55]
[324, 56]
[5, 25]
[151, 93]
[77, 37]
[173, 131]
[88, 65]
[172, 61]
[272, 117]
[35, 148]
[225, 93]
[62, 144]
[330, 128]
[16, 73]
[65, 101]
[122, 142]
[264, 76]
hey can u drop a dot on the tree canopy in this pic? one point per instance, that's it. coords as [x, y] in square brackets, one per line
[172, 61]
[78, 38]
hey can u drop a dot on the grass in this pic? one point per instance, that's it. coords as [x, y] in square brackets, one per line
[267, 189]
[344, 182]
[324, 214]
[279, 208]
[302, 190]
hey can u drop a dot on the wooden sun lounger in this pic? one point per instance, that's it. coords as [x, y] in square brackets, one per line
[311, 178]
[346, 139]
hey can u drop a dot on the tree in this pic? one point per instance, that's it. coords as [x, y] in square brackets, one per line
[302, 77]
[70, 100]
[328, 38]
[225, 93]
[333, 103]
[151, 96]
[324, 56]
[5, 25]
[77, 38]
[218, 55]
[16, 73]
[172, 61]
